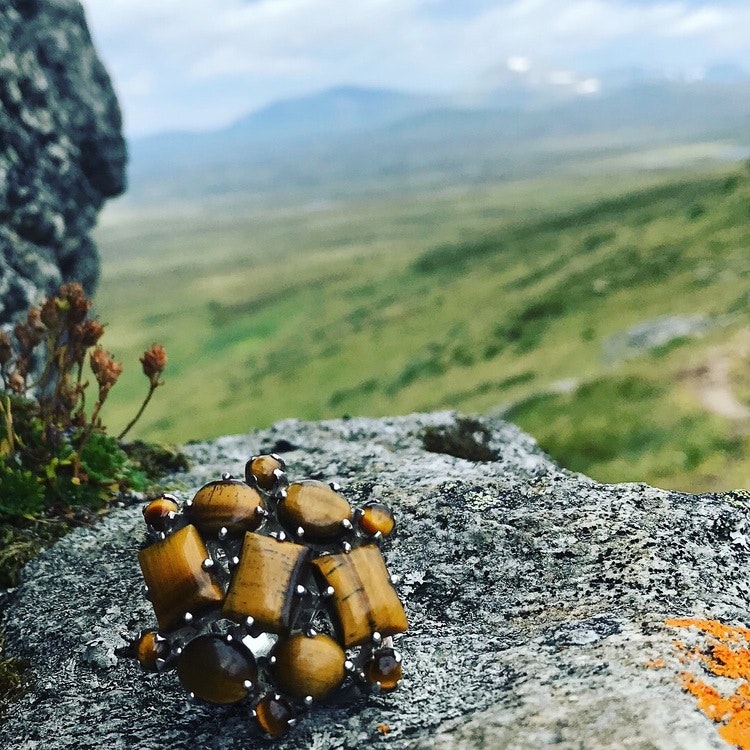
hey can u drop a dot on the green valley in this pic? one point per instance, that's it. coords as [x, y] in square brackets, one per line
[521, 297]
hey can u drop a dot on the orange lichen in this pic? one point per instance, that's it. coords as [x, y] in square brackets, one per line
[725, 653]
[656, 664]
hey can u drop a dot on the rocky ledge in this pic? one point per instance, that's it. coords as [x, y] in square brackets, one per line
[545, 609]
[61, 150]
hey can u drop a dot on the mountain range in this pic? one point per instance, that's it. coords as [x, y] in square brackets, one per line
[354, 137]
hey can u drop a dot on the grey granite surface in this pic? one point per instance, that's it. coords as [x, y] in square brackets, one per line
[536, 599]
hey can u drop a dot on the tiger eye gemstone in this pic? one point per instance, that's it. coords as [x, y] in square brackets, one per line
[315, 508]
[384, 668]
[364, 601]
[229, 504]
[273, 715]
[157, 513]
[215, 670]
[150, 648]
[177, 583]
[308, 666]
[261, 469]
[376, 517]
[264, 581]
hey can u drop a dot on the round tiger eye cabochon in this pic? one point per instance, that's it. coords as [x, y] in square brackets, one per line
[216, 670]
[315, 508]
[384, 669]
[159, 512]
[262, 468]
[150, 648]
[376, 518]
[308, 665]
[273, 715]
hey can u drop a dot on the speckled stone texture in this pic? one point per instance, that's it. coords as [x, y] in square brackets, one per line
[536, 598]
[61, 150]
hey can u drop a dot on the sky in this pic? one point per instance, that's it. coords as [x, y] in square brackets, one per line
[201, 64]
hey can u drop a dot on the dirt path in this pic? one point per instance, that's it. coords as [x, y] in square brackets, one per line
[712, 384]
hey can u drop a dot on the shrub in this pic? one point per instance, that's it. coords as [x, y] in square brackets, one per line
[54, 449]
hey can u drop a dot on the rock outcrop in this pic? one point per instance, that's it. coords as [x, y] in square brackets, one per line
[544, 608]
[61, 150]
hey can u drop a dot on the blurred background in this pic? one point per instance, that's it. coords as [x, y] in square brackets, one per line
[527, 208]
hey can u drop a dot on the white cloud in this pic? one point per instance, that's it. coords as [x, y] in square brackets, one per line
[700, 22]
[519, 64]
[193, 62]
[589, 86]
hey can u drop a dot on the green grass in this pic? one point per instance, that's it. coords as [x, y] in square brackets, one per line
[477, 298]
[632, 426]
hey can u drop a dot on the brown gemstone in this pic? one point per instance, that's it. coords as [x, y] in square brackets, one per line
[149, 648]
[273, 715]
[264, 581]
[308, 665]
[229, 504]
[364, 601]
[159, 513]
[261, 470]
[315, 508]
[376, 517]
[176, 581]
[384, 669]
[217, 670]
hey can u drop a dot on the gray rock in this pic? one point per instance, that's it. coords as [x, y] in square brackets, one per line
[536, 599]
[61, 150]
[652, 334]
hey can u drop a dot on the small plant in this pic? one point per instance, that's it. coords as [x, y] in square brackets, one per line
[55, 452]
[11, 678]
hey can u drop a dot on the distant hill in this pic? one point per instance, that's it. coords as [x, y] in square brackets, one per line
[339, 110]
[296, 123]
[356, 136]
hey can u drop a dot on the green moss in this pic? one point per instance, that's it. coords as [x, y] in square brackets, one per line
[21, 493]
[11, 679]
[157, 459]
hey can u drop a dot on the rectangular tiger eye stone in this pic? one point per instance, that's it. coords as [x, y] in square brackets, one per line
[177, 583]
[263, 583]
[364, 599]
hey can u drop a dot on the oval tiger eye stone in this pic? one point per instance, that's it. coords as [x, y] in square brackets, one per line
[215, 670]
[315, 508]
[229, 504]
[261, 469]
[157, 513]
[376, 517]
[308, 666]
[273, 715]
[149, 648]
[384, 668]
